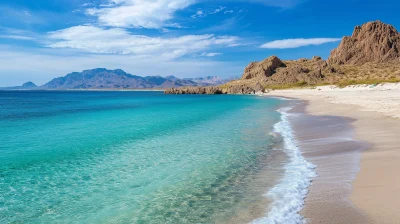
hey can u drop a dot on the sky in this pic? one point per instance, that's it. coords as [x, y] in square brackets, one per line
[45, 39]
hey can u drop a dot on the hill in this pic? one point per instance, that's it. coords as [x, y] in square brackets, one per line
[370, 55]
[25, 86]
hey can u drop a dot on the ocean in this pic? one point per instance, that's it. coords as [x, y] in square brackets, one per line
[146, 157]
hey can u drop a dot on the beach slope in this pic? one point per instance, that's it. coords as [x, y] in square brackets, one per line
[373, 111]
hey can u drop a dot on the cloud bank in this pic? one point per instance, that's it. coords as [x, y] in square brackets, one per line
[295, 43]
[211, 54]
[150, 14]
[119, 41]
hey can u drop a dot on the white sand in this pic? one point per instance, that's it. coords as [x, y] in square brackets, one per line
[376, 110]
[383, 98]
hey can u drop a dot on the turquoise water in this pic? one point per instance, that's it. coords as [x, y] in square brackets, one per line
[129, 157]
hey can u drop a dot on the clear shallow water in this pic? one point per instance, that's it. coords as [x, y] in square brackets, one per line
[129, 157]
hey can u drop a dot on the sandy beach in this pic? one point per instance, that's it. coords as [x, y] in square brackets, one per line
[357, 178]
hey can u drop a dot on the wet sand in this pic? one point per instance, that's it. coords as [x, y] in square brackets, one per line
[374, 195]
[327, 142]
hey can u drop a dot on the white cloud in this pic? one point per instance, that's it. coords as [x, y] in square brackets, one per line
[27, 13]
[295, 43]
[87, 4]
[211, 54]
[19, 34]
[229, 11]
[217, 10]
[119, 41]
[151, 14]
[200, 13]
[16, 37]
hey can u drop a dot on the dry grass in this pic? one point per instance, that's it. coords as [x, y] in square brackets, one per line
[373, 71]
[341, 76]
[345, 83]
[340, 84]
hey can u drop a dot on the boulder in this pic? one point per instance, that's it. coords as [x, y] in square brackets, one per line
[316, 58]
[262, 69]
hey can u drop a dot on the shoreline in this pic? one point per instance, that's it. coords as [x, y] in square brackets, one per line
[285, 173]
[328, 142]
[287, 196]
[375, 192]
[284, 186]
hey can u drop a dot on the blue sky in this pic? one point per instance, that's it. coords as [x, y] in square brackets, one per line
[44, 39]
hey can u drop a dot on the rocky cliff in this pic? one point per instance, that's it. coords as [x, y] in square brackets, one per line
[372, 42]
[371, 53]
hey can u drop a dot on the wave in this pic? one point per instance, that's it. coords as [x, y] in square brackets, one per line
[288, 196]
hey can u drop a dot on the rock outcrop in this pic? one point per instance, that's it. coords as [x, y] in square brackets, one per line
[194, 90]
[262, 69]
[372, 42]
[258, 75]
[227, 89]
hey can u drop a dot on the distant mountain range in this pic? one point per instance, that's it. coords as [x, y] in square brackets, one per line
[101, 78]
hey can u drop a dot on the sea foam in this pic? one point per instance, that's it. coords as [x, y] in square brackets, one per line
[288, 196]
